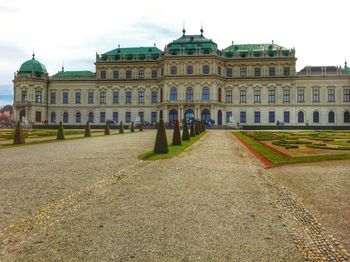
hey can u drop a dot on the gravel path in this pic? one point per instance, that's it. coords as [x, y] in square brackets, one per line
[93, 200]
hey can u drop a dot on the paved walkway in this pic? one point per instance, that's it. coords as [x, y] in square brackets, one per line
[98, 202]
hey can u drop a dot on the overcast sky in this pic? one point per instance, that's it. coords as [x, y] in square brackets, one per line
[73, 31]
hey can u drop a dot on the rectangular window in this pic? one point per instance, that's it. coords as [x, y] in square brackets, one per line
[37, 96]
[154, 97]
[154, 73]
[103, 74]
[228, 117]
[115, 117]
[301, 97]
[315, 95]
[286, 96]
[229, 96]
[77, 97]
[53, 97]
[243, 117]
[141, 74]
[37, 116]
[257, 117]
[128, 74]
[141, 97]
[286, 71]
[65, 97]
[115, 97]
[272, 96]
[242, 96]
[219, 70]
[24, 96]
[257, 71]
[331, 95]
[102, 117]
[142, 116]
[272, 117]
[229, 72]
[272, 71]
[153, 118]
[128, 117]
[243, 71]
[128, 97]
[116, 74]
[346, 95]
[257, 96]
[90, 97]
[286, 116]
[102, 97]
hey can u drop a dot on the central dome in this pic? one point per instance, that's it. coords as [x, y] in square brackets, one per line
[32, 65]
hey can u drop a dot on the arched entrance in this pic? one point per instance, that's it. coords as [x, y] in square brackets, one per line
[189, 114]
[22, 114]
[219, 117]
[205, 115]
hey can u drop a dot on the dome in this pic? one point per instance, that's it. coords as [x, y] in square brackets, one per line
[32, 65]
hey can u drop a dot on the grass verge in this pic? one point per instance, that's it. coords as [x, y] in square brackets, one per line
[173, 150]
[278, 159]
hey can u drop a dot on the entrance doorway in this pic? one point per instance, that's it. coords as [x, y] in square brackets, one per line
[205, 116]
[189, 115]
[219, 118]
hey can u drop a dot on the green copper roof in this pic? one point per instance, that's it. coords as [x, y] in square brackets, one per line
[190, 43]
[131, 52]
[32, 65]
[257, 49]
[67, 74]
[346, 69]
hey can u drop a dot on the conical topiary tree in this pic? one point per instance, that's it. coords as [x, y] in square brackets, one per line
[141, 126]
[185, 134]
[200, 127]
[107, 132]
[87, 130]
[161, 143]
[203, 124]
[132, 129]
[176, 134]
[196, 128]
[60, 132]
[121, 128]
[192, 134]
[19, 135]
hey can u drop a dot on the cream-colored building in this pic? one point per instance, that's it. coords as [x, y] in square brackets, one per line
[252, 84]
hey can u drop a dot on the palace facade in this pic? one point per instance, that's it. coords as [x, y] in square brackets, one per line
[250, 84]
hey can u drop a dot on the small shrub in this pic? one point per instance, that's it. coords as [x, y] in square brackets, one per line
[196, 128]
[107, 132]
[19, 136]
[141, 127]
[60, 132]
[161, 143]
[176, 134]
[192, 133]
[87, 130]
[132, 129]
[121, 128]
[185, 134]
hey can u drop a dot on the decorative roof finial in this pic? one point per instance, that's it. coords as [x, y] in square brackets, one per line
[346, 63]
[62, 66]
[273, 42]
[202, 29]
[154, 44]
[33, 54]
[183, 29]
[118, 45]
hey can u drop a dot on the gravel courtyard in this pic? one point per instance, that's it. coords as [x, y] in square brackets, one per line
[92, 199]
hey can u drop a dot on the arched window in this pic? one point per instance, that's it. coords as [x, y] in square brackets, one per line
[219, 95]
[173, 70]
[53, 117]
[91, 117]
[316, 117]
[205, 115]
[331, 117]
[300, 117]
[205, 94]
[173, 115]
[65, 117]
[189, 94]
[206, 69]
[78, 117]
[346, 117]
[189, 70]
[173, 94]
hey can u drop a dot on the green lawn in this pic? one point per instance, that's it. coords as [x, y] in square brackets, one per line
[279, 159]
[173, 150]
